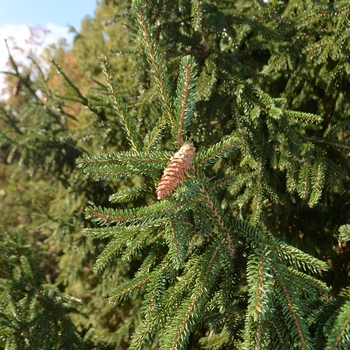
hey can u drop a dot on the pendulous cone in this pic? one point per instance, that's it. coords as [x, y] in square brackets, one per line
[176, 170]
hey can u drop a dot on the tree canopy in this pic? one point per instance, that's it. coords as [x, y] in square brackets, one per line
[239, 110]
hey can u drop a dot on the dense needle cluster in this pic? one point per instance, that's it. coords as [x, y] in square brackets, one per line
[176, 170]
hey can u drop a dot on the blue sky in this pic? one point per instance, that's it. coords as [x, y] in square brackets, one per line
[16, 16]
[41, 12]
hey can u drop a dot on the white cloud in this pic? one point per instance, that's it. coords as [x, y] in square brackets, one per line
[21, 33]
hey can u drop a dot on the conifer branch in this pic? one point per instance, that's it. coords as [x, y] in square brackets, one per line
[220, 221]
[119, 106]
[127, 289]
[213, 209]
[221, 183]
[308, 284]
[156, 251]
[127, 195]
[310, 17]
[260, 283]
[138, 215]
[304, 181]
[283, 250]
[126, 158]
[104, 232]
[298, 258]
[219, 150]
[344, 232]
[123, 164]
[216, 341]
[278, 329]
[318, 176]
[191, 308]
[270, 11]
[111, 171]
[140, 241]
[156, 287]
[113, 248]
[156, 63]
[155, 134]
[339, 332]
[333, 143]
[341, 337]
[153, 321]
[196, 15]
[290, 310]
[306, 117]
[175, 242]
[185, 97]
[71, 85]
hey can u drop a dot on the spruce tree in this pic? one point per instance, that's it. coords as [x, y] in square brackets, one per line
[217, 261]
[220, 137]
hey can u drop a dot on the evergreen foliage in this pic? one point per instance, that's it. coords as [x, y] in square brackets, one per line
[33, 315]
[249, 251]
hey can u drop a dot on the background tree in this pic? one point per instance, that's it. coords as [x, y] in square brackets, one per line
[230, 258]
[45, 127]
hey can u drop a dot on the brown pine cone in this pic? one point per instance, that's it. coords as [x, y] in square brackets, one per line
[176, 170]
